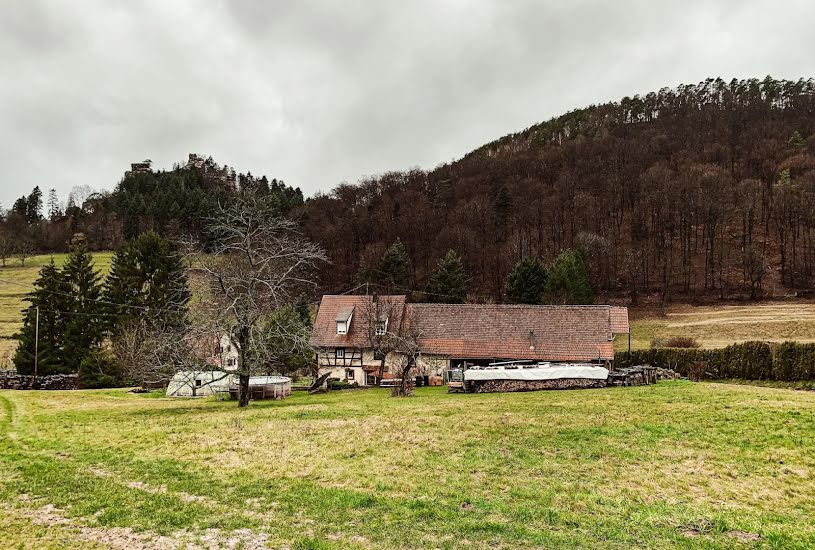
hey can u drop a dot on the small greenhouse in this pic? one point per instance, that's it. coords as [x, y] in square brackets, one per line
[204, 383]
[188, 383]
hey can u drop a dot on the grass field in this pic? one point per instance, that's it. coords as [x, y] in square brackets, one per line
[673, 465]
[719, 326]
[15, 283]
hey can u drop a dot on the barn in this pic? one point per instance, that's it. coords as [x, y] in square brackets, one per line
[451, 336]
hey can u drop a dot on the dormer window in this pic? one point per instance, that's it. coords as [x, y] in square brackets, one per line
[381, 328]
[344, 320]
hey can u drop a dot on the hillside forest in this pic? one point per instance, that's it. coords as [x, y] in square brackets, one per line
[700, 192]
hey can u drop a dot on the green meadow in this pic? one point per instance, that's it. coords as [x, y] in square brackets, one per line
[679, 464]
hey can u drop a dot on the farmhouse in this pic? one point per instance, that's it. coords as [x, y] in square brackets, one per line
[351, 334]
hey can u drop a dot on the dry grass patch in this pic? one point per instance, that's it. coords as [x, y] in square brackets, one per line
[719, 326]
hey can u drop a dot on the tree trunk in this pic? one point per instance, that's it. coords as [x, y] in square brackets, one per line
[243, 390]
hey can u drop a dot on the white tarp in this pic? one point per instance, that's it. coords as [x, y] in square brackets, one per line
[198, 383]
[553, 372]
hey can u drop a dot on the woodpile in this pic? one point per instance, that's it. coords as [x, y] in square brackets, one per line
[640, 375]
[489, 386]
[10, 380]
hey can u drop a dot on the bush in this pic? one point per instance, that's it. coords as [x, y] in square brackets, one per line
[698, 371]
[786, 362]
[342, 385]
[99, 369]
[794, 362]
[681, 342]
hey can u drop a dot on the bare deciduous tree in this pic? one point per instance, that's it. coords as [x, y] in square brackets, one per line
[6, 245]
[256, 263]
[382, 316]
[408, 353]
[23, 250]
[390, 335]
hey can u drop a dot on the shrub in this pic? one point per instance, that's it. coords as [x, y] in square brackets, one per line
[99, 369]
[680, 342]
[697, 371]
[342, 385]
[786, 362]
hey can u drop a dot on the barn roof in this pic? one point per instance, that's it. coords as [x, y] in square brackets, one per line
[543, 333]
[485, 331]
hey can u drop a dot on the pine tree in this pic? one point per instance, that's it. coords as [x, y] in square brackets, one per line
[526, 281]
[394, 268]
[303, 311]
[84, 328]
[54, 211]
[50, 295]
[99, 369]
[34, 206]
[148, 272]
[448, 284]
[568, 281]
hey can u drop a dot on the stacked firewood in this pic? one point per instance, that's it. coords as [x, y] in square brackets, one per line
[489, 386]
[640, 375]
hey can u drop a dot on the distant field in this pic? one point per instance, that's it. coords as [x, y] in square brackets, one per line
[719, 326]
[15, 283]
[676, 465]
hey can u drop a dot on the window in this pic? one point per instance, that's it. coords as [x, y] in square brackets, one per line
[339, 353]
[349, 374]
[379, 355]
[342, 327]
[197, 383]
[230, 362]
[381, 328]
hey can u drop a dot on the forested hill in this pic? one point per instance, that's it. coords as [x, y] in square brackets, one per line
[175, 203]
[705, 190]
[701, 192]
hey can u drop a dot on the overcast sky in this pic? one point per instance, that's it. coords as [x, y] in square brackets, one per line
[316, 93]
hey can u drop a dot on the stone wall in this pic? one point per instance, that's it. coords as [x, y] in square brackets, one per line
[11, 380]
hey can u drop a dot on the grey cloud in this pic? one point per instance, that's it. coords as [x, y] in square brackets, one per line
[320, 92]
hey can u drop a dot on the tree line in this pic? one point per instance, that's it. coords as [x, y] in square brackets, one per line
[705, 190]
[702, 191]
[174, 203]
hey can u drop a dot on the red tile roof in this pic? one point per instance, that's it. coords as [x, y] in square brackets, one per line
[324, 333]
[543, 333]
[478, 331]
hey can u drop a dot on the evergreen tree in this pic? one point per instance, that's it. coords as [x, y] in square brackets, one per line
[34, 206]
[49, 295]
[303, 311]
[54, 211]
[448, 284]
[148, 272]
[527, 281]
[394, 269]
[84, 328]
[568, 281]
[99, 369]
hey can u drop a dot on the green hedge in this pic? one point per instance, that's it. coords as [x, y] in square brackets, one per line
[788, 362]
